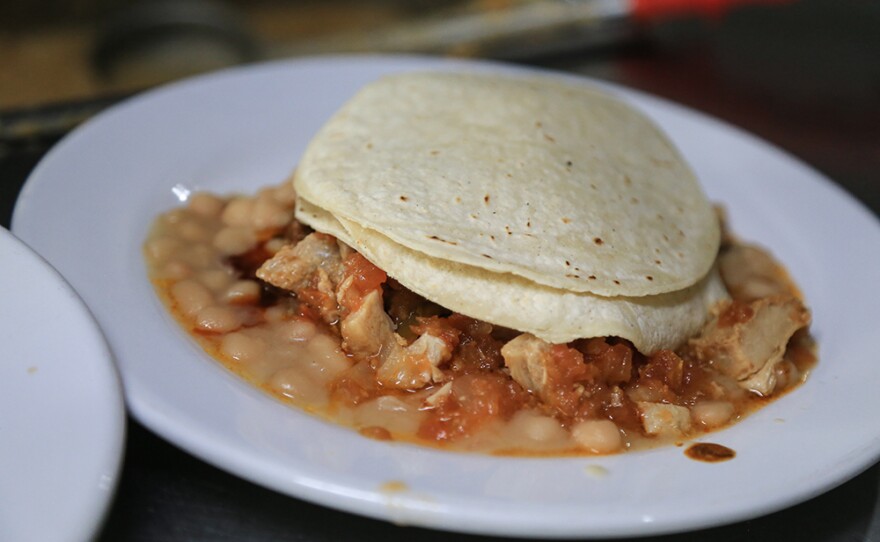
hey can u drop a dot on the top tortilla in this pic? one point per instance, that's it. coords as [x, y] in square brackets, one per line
[554, 182]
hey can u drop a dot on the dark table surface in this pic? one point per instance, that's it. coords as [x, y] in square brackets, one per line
[806, 78]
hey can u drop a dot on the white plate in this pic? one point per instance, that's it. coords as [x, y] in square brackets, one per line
[61, 413]
[88, 206]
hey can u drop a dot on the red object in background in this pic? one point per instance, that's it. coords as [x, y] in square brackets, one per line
[657, 9]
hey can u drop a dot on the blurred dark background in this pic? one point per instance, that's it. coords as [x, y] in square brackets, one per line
[765, 65]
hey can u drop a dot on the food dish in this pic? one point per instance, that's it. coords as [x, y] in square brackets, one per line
[61, 413]
[323, 309]
[183, 141]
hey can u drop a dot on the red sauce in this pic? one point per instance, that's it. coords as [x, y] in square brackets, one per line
[709, 452]
[366, 278]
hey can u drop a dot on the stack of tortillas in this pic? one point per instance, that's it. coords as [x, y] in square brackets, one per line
[530, 203]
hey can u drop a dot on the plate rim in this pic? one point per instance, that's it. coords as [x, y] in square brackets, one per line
[107, 458]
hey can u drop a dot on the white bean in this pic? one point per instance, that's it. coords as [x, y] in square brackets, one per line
[217, 319]
[238, 212]
[176, 270]
[242, 347]
[205, 204]
[711, 414]
[160, 249]
[191, 296]
[235, 240]
[268, 214]
[299, 330]
[284, 193]
[191, 230]
[294, 384]
[598, 436]
[215, 279]
[242, 292]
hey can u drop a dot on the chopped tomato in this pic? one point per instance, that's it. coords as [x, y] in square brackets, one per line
[665, 366]
[476, 399]
[366, 278]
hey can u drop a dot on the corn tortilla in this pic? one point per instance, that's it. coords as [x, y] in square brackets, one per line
[556, 183]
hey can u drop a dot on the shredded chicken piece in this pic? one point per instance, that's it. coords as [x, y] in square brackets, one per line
[368, 332]
[444, 392]
[662, 419]
[528, 357]
[313, 263]
[293, 267]
[745, 341]
[751, 273]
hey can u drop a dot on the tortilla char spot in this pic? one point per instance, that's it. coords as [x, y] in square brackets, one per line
[658, 262]
[549, 138]
[435, 238]
[567, 262]
[486, 199]
[568, 164]
[598, 240]
[529, 223]
[487, 256]
[369, 145]
[566, 220]
[404, 198]
[592, 277]
[649, 277]
[435, 152]
[616, 282]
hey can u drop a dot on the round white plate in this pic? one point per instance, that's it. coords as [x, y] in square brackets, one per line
[62, 418]
[89, 204]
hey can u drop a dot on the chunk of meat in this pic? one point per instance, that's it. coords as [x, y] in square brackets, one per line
[745, 341]
[661, 419]
[580, 382]
[416, 365]
[293, 267]
[751, 273]
[528, 358]
[368, 332]
[437, 397]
